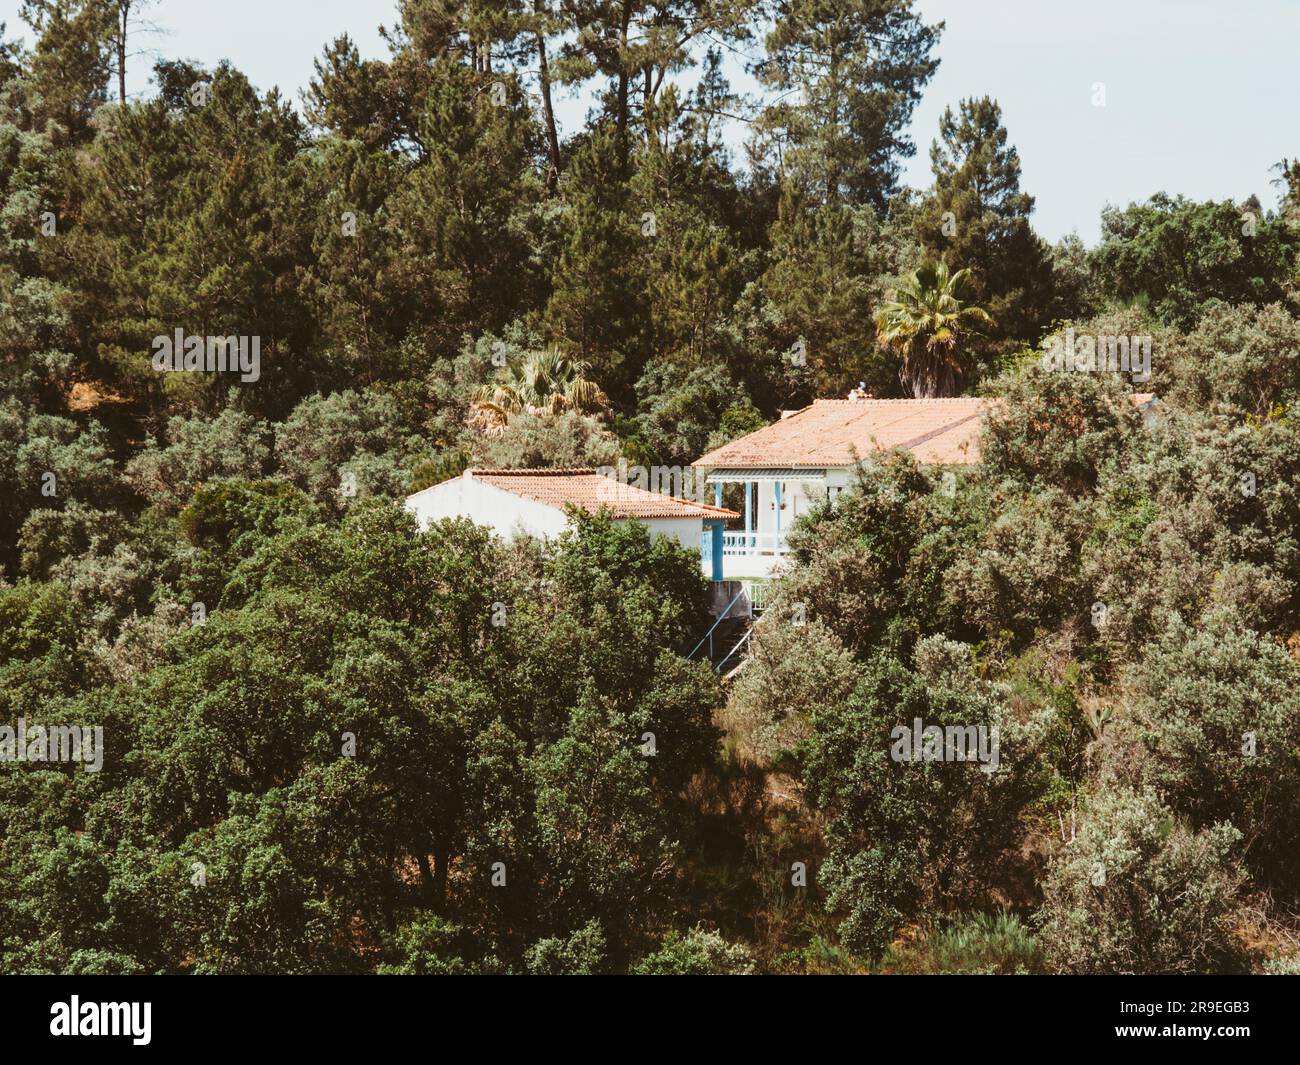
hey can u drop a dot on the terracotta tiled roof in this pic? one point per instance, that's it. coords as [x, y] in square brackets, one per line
[590, 491]
[944, 431]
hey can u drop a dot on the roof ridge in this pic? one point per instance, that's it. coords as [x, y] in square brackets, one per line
[925, 438]
[544, 471]
[900, 399]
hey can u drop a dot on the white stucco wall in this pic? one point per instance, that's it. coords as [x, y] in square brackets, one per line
[687, 531]
[504, 512]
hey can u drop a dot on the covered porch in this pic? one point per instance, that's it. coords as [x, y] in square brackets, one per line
[772, 499]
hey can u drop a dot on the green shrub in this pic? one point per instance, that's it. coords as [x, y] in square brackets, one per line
[580, 954]
[697, 953]
[979, 944]
[1138, 892]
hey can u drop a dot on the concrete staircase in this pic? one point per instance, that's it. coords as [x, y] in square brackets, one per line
[727, 635]
[737, 607]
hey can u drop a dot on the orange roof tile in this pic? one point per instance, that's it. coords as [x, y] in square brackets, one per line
[592, 491]
[827, 433]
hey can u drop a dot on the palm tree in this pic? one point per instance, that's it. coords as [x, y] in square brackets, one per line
[548, 382]
[924, 321]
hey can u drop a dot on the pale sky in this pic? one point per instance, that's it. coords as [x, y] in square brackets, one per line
[1201, 96]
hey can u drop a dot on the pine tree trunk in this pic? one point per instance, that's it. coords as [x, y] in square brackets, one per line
[648, 100]
[552, 136]
[124, 11]
[623, 81]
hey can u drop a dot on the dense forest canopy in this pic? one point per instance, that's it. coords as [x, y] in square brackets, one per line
[335, 743]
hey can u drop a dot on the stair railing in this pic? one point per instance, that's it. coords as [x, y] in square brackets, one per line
[709, 635]
[739, 644]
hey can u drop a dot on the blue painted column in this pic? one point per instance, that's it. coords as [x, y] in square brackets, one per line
[714, 525]
[717, 493]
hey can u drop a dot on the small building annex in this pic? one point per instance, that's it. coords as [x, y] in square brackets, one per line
[534, 502]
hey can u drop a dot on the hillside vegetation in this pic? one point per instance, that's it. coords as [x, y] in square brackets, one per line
[335, 743]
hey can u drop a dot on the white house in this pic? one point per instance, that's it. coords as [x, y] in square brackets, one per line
[809, 455]
[533, 502]
[786, 467]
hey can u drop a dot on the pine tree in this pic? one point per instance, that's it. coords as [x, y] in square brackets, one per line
[847, 75]
[596, 308]
[70, 64]
[636, 44]
[460, 216]
[977, 219]
[194, 218]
